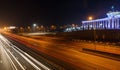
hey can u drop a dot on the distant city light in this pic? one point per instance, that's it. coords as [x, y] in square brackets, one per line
[12, 27]
[5, 28]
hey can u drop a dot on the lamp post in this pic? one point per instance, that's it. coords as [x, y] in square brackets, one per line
[94, 30]
[90, 18]
[34, 27]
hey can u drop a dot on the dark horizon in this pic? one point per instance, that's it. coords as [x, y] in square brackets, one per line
[53, 12]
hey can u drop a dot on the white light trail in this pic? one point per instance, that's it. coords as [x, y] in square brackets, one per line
[46, 68]
[29, 61]
[24, 54]
[16, 60]
[43, 66]
[5, 40]
[12, 63]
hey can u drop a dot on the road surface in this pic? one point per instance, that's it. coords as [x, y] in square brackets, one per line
[71, 59]
[13, 58]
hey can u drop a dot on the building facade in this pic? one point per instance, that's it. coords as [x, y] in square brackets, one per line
[112, 21]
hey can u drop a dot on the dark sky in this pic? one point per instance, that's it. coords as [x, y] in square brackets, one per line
[48, 12]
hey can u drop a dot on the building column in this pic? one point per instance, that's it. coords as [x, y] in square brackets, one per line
[83, 25]
[106, 24]
[113, 23]
[87, 25]
[109, 23]
[98, 24]
[95, 25]
[118, 23]
[92, 25]
[102, 24]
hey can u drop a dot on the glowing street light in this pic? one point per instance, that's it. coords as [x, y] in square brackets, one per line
[34, 25]
[90, 18]
[5, 28]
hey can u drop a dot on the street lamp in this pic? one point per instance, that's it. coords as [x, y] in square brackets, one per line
[34, 26]
[90, 18]
[94, 30]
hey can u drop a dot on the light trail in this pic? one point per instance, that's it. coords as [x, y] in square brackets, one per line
[17, 60]
[12, 64]
[37, 68]
[46, 68]
[26, 56]
[29, 61]
[12, 55]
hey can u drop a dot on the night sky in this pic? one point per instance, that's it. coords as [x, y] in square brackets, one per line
[57, 12]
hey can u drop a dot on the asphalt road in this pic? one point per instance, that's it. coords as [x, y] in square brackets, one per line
[66, 57]
[51, 62]
[13, 57]
[5, 63]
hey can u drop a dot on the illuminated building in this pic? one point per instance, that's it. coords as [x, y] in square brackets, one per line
[112, 21]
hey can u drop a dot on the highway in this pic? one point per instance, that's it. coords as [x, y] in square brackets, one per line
[13, 58]
[59, 55]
